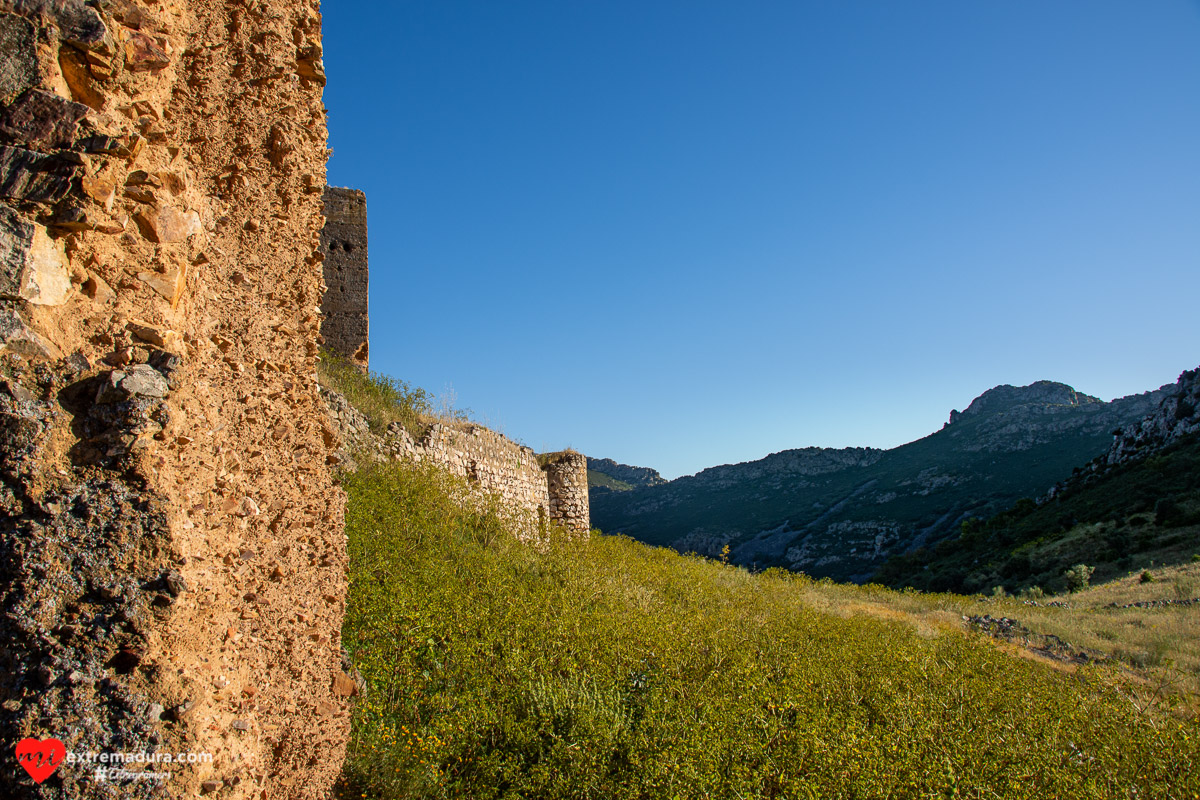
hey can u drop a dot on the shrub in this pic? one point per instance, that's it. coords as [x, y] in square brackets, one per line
[381, 398]
[1146, 577]
[1078, 577]
[608, 669]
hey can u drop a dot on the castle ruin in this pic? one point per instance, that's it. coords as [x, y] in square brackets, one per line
[552, 488]
[344, 245]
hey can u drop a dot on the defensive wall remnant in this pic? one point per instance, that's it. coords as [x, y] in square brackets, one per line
[344, 244]
[172, 561]
[535, 489]
[555, 489]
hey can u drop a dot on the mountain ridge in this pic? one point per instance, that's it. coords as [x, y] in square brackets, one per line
[840, 512]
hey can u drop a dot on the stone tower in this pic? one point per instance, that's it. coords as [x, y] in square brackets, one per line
[566, 481]
[344, 243]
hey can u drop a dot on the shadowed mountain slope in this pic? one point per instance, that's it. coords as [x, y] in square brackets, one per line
[842, 512]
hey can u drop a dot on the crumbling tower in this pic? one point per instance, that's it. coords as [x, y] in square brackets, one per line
[344, 243]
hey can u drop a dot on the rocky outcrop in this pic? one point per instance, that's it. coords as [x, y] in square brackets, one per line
[1177, 416]
[171, 542]
[634, 476]
[1010, 418]
[1005, 398]
[842, 513]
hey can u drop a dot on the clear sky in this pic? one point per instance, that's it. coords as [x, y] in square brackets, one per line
[681, 234]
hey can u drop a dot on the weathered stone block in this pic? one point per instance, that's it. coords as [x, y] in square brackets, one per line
[26, 175]
[17, 336]
[32, 266]
[19, 66]
[166, 225]
[42, 119]
[77, 23]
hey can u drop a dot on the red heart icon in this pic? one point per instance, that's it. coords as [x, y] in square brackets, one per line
[41, 758]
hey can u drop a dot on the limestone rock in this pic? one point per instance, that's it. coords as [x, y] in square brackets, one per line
[156, 335]
[101, 188]
[32, 266]
[77, 23]
[19, 67]
[16, 336]
[140, 380]
[143, 53]
[169, 284]
[168, 224]
[26, 175]
[42, 119]
[77, 72]
[310, 65]
[96, 288]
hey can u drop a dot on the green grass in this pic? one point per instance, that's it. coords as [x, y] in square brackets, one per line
[609, 669]
[381, 398]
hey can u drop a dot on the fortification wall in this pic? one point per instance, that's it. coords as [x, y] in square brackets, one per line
[492, 463]
[344, 244]
[566, 478]
[172, 564]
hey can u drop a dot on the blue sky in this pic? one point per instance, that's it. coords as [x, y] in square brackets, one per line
[681, 234]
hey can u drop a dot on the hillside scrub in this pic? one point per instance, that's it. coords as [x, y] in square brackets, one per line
[380, 398]
[1131, 516]
[609, 669]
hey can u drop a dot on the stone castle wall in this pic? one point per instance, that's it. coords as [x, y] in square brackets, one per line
[344, 244]
[172, 559]
[490, 462]
[566, 477]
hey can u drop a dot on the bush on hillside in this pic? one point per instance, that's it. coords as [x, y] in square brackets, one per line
[609, 669]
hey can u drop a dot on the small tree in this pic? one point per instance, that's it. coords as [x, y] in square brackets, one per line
[1079, 577]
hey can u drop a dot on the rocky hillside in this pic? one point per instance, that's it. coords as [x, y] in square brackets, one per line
[1136, 505]
[1177, 416]
[606, 475]
[843, 512]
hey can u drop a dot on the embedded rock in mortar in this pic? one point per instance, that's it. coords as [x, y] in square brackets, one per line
[168, 225]
[42, 119]
[19, 67]
[32, 266]
[37, 178]
[142, 455]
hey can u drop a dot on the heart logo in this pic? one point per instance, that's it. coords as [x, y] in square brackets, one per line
[41, 757]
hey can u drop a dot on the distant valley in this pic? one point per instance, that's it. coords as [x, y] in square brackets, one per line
[841, 513]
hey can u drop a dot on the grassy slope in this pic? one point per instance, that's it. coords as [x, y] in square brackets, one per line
[1109, 523]
[608, 669]
[607, 482]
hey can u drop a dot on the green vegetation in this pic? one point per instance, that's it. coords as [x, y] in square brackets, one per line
[920, 491]
[607, 482]
[380, 398]
[1131, 516]
[546, 459]
[609, 669]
